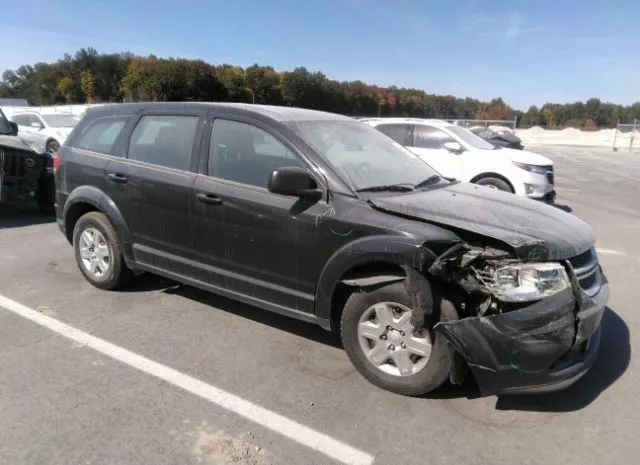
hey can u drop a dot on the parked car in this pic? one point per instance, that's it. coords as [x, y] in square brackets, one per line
[322, 218]
[45, 132]
[26, 176]
[456, 152]
[499, 136]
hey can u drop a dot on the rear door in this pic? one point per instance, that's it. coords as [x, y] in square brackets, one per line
[427, 142]
[152, 182]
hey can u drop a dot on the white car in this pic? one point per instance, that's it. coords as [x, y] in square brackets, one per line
[456, 152]
[44, 132]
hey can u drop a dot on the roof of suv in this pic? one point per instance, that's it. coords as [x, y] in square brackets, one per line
[278, 113]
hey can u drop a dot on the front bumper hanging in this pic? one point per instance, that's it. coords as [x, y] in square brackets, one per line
[543, 347]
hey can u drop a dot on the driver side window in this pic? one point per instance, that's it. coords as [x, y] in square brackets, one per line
[33, 119]
[246, 154]
[428, 137]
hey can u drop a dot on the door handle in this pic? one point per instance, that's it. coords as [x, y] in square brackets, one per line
[115, 177]
[209, 199]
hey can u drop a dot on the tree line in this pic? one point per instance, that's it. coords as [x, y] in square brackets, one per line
[90, 77]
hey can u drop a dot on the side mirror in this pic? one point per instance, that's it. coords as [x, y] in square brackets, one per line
[454, 147]
[294, 181]
[36, 125]
[14, 128]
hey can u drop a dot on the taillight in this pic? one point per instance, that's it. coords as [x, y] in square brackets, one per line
[56, 162]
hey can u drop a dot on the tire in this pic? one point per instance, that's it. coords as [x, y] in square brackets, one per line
[116, 274]
[429, 373]
[495, 183]
[52, 147]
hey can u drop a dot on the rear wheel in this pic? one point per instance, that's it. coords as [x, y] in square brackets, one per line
[495, 183]
[98, 252]
[384, 346]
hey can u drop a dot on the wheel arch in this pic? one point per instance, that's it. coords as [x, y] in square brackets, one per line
[49, 140]
[85, 199]
[369, 261]
[491, 174]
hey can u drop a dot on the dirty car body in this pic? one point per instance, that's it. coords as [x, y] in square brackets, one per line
[512, 286]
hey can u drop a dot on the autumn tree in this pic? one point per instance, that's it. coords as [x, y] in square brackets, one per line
[90, 76]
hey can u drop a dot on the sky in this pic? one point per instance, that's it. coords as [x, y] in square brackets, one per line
[526, 51]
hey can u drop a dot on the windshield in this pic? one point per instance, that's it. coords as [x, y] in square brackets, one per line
[60, 121]
[5, 128]
[362, 154]
[471, 138]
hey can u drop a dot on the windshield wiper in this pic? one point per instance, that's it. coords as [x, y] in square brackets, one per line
[388, 188]
[433, 179]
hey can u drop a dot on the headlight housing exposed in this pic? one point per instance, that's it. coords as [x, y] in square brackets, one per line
[529, 281]
[532, 168]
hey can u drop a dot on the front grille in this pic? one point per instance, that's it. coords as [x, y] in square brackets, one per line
[11, 165]
[550, 177]
[587, 270]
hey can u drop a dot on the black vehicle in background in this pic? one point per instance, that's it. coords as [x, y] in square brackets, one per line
[498, 136]
[26, 176]
[319, 217]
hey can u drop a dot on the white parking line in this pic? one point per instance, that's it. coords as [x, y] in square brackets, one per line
[291, 429]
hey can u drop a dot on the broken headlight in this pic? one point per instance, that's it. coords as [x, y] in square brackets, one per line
[529, 281]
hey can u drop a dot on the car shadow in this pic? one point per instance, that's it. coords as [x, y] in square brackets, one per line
[284, 323]
[18, 217]
[613, 360]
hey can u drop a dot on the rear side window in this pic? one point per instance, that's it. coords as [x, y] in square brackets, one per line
[164, 140]
[101, 135]
[397, 132]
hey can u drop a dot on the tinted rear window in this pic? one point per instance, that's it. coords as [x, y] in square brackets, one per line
[101, 135]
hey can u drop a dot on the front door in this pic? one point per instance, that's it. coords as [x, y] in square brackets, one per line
[152, 187]
[428, 143]
[35, 132]
[250, 240]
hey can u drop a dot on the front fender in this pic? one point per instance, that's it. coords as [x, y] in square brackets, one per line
[100, 200]
[401, 251]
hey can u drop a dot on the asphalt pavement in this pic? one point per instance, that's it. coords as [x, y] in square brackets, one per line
[65, 401]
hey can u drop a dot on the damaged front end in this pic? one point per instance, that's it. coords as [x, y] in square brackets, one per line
[21, 171]
[523, 327]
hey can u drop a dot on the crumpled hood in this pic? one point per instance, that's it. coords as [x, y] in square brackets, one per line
[534, 230]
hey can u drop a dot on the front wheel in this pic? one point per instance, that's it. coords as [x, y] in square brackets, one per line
[52, 147]
[386, 348]
[495, 183]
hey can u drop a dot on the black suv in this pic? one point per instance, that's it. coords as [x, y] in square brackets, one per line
[325, 219]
